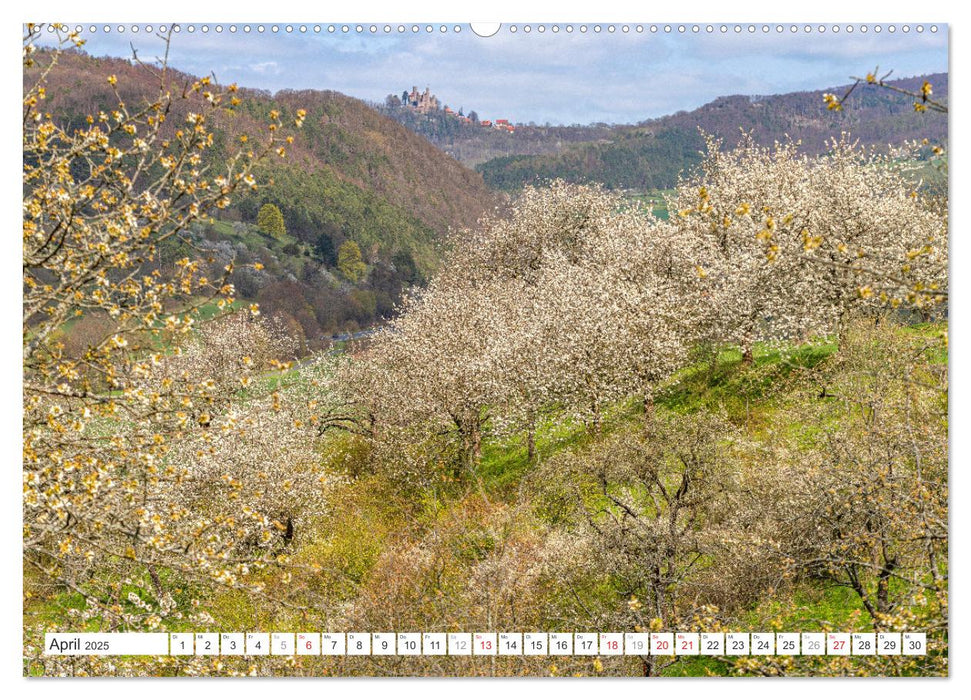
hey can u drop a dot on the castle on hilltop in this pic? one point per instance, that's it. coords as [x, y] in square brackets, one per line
[425, 102]
[422, 102]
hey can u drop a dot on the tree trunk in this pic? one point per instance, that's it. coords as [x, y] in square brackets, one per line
[711, 359]
[476, 446]
[883, 586]
[471, 450]
[748, 354]
[156, 581]
[531, 444]
[467, 451]
[648, 402]
[840, 328]
[595, 418]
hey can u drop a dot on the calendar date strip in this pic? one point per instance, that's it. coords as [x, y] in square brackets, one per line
[486, 644]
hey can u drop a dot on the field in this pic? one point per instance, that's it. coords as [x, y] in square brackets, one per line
[363, 552]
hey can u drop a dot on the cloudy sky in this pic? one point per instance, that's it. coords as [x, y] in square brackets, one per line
[561, 78]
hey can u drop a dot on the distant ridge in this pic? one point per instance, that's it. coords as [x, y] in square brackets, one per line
[651, 154]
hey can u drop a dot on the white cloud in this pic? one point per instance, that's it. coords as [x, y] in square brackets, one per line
[266, 68]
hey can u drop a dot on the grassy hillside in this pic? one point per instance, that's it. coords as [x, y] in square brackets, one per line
[453, 555]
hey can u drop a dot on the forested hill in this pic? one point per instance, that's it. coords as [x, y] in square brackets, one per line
[872, 114]
[370, 151]
[351, 176]
[650, 155]
[351, 171]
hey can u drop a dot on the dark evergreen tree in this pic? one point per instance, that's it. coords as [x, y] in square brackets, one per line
[326, 250]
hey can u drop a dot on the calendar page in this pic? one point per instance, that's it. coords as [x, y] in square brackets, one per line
[522, 349]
